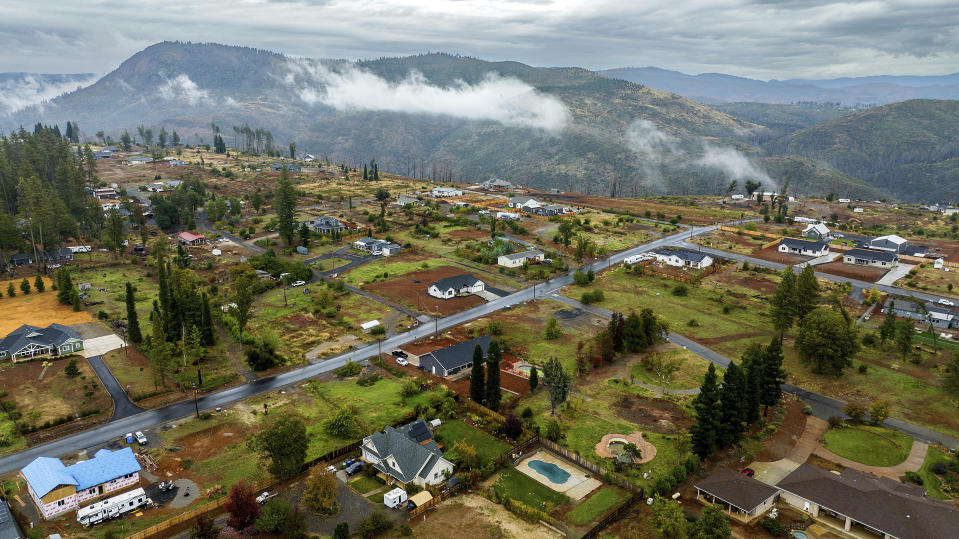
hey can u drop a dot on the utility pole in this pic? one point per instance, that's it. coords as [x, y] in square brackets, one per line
[196, 406]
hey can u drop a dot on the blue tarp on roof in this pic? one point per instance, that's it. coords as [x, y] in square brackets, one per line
[45, 474]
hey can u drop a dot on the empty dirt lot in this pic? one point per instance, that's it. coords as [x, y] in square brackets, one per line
[862, 273]
[410, 290]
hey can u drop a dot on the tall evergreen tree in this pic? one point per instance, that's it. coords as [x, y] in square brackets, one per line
[753, 363]
[206, 322]
[733, 406]
[533, 379]
[478, 376]
[133, 324]
[783, 303]
[807, 292]
[617, 330]
[494, 394]
[284, 202]
[773, 375]
[705, 432]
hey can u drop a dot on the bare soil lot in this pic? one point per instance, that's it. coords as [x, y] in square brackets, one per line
[55, 395]
[411, 290]
[862, 273]
[773, 255]
[36, 308]
[476, 517]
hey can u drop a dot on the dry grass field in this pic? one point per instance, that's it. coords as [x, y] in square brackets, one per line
[36, 308]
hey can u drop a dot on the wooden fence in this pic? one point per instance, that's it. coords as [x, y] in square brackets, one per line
[181, 521]
[623, 510]
[436, 499]
[482, 410]
[607, 475]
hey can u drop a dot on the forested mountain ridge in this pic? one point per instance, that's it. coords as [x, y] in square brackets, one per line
[909, 149]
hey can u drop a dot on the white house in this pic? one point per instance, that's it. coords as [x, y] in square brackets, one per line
[56, 488]
[683, 259]
[407, 454]
[514, 260]
[816, 231]
[457, 285]
[857, 210]
[803, 247]
[524, 203]
[865, 257]
[443, 192]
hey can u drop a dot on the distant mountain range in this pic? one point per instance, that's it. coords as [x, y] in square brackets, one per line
[457, 118]
[847, 92]
[19, 90]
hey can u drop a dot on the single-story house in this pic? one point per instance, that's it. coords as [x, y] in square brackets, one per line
[514, 260]
[738, 493]
[27, 342]
[21, 259]
[910, 249]
[107, 205]
[390, 249]
[107, 193]
[524, 203]
[866, 257]
[891, 243]
[309, 158]
[139, 160]
[507, 215]
[102, 155]
[857, 210]
[56, 488]
[804, 247]
[177, 163]
[325, 225]
[548, 210]
[190, 238]
[403, 200]
[865, 503]
[496, 183]
[457, 285]
[949, 210]
[369, 244]
[173, 184]
[155, 187]
[290, 168]
[683, 259]
[111, 149]
[59, 254]
[443, 192]
[844, 201]
[737, 197]
[816, 231]
[453, 359]
[407, 454]
[939, 315]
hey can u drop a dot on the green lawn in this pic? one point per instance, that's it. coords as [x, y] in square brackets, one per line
[692, 370]
[870, 445]
[596, 505]
[931, 481]
[525, 489]
[373, 271]
[364, 484]
[487, 447]
[113, 280]
[377, 497]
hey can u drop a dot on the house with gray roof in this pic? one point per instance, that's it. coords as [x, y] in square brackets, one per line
[456, 285]
[739, 494]
[514, 260]
[453, 359]
[403, 200]
[927, 312]
[27, 342]
[867, 504]
[9, 529]
[803, 247]
[407, 454]
[682, 258]
[325, 225]
[867, 257]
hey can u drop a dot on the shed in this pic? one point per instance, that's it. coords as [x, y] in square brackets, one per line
[420, 498]
[367, 326]
[394, 497]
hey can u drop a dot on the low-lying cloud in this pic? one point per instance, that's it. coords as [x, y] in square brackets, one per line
[733, 164]
[505, 100]
[23, 90]
[182, 88]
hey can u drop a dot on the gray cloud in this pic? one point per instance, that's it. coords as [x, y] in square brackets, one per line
[756, 38]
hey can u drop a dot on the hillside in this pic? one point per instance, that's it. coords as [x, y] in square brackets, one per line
[849, 92]
[781, 119]
[435, 115]
[908, 149]
[19, 90]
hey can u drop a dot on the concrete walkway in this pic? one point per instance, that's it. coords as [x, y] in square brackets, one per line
[912, 463]
[895, 274]
[772, 473]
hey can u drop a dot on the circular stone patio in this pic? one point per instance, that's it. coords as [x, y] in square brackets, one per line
[646, 449]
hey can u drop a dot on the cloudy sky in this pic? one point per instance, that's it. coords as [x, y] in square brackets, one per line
[754, 38]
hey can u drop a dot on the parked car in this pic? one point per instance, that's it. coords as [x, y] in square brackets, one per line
[399, 353]
[354, 468]
[299, 283]
[748, 472]
[943, 301]
[141, 438]
[402, 362]
[262, 498]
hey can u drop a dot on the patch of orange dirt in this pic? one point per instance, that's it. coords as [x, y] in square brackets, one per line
[36, 308]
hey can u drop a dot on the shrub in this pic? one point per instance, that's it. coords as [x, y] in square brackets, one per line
[378, 330]
[869, 339]
[692, 464]
[807, 410]
[855, 411]
[863, 368]
[350, 369]
[773, 526]
[835, 421]
[494, 328]
[693, 323]
[580, 278]
[594, 296]
[374, 525]
[368, 380]
[680, 290]
[261, 355]
[914, 477]
[553, 431]
[102, 315]
[71, 368]
[273, 516]
[939, 468]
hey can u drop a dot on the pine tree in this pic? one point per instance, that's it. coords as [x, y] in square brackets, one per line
[773, 375]
[133, 324]
[617, 330]
[783, 303]
[39, 284]
[494, 394]
[533, 379]
[11, 292]
[733, 406]
[887, 331]
[706, 406]
[284, 202]
[478, 376]
[753, 363]
[807, 292]
[206, 322]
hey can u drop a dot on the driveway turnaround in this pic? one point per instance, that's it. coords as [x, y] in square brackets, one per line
[101, 345]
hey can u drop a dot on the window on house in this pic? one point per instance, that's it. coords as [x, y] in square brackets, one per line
[59, 502]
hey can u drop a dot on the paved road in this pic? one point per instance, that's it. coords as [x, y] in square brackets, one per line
[122, 406]
[822, 406]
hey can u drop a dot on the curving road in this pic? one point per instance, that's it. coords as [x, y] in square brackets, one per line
[122, 405]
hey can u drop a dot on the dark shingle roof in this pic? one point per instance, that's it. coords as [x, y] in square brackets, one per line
[866, 254]
[886, 505]
[459, 354]
[52, 335]
[418, 431]
[794, 243]
[688, 256]
[738, 489]
[456, 282]
[410, 456]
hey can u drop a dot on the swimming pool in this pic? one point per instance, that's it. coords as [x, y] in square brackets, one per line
[799, 535]
[525, 368]
[554, 473]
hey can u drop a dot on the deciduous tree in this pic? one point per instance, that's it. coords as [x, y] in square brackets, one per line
[320, 493]
[284, 443]
[242, 506]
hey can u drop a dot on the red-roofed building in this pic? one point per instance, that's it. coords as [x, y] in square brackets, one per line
[191, 239]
